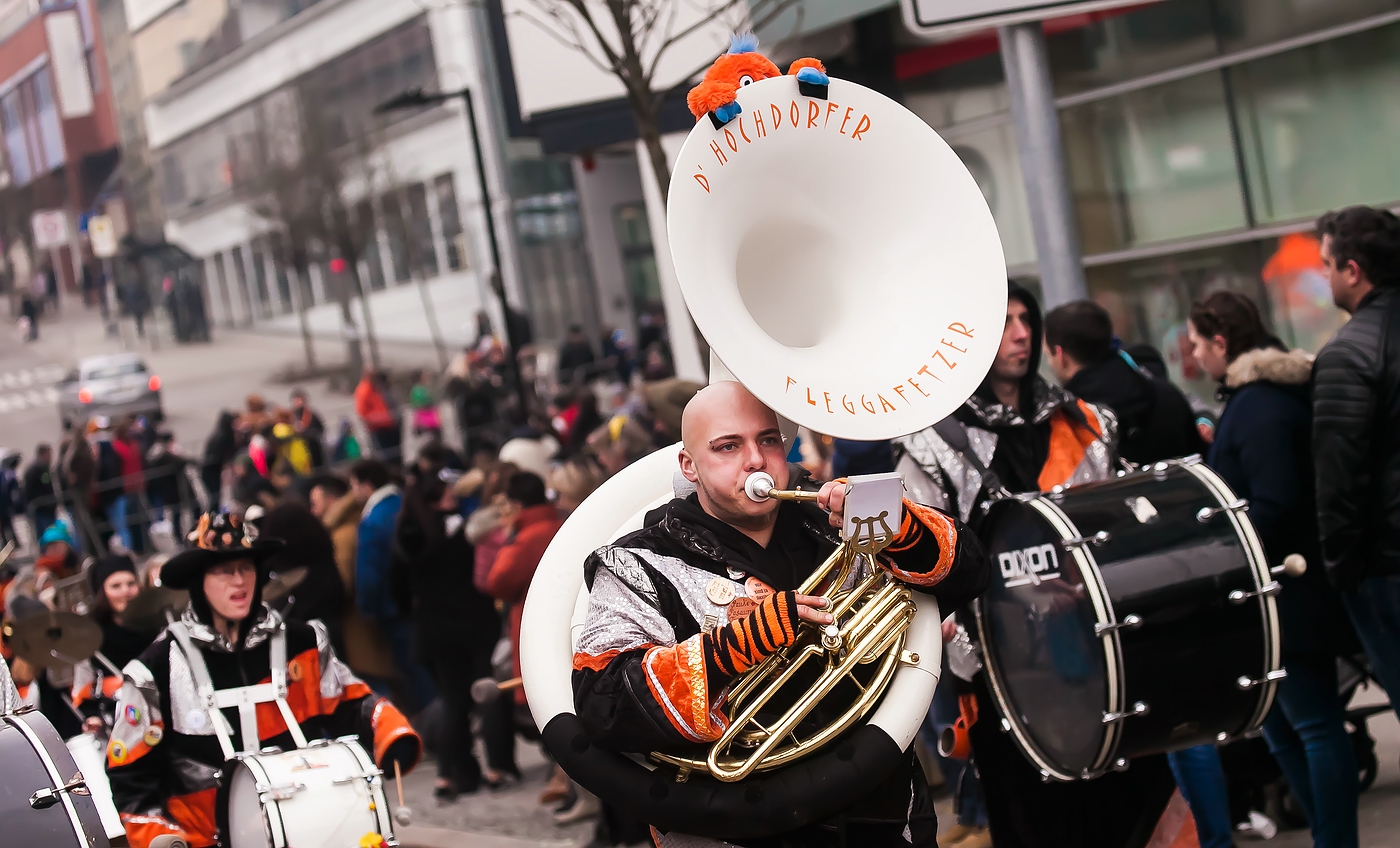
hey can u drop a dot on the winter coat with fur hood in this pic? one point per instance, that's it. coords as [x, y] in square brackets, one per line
[1263, 449]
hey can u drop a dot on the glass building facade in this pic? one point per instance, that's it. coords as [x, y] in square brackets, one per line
[1201, 138]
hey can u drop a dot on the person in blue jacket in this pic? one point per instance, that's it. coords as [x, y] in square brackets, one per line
[1263, 450]
[374, 589]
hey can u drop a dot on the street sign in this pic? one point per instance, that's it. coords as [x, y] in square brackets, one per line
[941, 19]
[102, 235]
[50, 229]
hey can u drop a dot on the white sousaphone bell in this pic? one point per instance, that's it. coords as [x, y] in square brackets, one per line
[843, 265]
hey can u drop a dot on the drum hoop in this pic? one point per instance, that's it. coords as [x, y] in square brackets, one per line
[17, 720]
[1113, 652]
[1259, 562]
[378, 794]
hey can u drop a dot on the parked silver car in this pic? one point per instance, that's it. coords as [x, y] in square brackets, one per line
[115, 385]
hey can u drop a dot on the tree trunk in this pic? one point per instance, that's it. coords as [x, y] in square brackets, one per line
[354, 354]
[298, 297]
[354, 271]
[429, 313]
[648, 126]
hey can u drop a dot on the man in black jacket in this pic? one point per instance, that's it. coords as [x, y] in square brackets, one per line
[1356, 429]
[1155, 420]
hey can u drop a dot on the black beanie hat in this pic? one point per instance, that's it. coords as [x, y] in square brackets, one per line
[106, 567]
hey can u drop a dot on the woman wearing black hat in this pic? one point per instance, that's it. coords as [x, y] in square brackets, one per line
[168, 746]
[115, 584]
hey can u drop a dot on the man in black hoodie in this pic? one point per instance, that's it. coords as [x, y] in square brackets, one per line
[1155, 420]
[1030, 436]
[1007, 428]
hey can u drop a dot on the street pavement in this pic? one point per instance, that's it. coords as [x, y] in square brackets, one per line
[197, 380]
[200, 379]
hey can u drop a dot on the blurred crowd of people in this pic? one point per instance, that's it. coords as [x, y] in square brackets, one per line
[418, 562]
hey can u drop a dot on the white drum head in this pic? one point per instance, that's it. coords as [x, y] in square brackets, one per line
[839, 258]
[319, 797]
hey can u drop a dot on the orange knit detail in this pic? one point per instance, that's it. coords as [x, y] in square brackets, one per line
[945, 530]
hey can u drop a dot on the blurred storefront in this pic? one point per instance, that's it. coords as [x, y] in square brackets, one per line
[1201, 138]
[58, 140]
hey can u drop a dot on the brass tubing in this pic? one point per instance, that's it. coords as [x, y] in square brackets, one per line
[792, 495]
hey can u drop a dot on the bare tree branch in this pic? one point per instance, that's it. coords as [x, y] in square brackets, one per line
[576, 45]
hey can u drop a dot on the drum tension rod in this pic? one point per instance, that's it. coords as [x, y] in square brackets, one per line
[1138, 709]
[1206, 513]
[45, 798]
[1099, 539]
[1239, 596]
[1128, 623]
[1247, 683]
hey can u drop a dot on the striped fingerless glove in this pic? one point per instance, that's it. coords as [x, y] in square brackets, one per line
[740, 645]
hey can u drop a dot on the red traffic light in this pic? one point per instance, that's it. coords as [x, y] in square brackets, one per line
[337, 265]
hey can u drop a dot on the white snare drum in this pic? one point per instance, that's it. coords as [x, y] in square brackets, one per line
[326, 795]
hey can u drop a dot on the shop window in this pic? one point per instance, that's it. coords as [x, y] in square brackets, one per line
[963, 91]
[368, 230]
[258, 257]
[451, 217]
[638, 259]
[1150, 300]
[1153, 165]
[420, 231]
[993, 159]
[1121, 45]
[396, 230]
[240, 274]
[1250, 23]
[20, 169]
[50, 128]
[220, 279]
[1319, 125]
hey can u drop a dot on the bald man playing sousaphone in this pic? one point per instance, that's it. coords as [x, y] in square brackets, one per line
[705, 590]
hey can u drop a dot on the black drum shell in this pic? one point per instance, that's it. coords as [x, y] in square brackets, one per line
[1173, 571]
[24, 773]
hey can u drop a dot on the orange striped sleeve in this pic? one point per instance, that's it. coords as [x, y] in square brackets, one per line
[944, 530]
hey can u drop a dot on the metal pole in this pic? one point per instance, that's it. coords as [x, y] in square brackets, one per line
[499, 281]
[1037, 123]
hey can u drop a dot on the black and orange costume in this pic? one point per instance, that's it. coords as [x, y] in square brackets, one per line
[657, 653]
[165, 754]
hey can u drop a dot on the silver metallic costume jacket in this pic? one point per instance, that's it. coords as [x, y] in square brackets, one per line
[941, 476]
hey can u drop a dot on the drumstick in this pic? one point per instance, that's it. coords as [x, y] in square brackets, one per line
[487, 690]
[398, 781]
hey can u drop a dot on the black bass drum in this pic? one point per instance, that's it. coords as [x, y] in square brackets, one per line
[44, 802]
[1129, 617]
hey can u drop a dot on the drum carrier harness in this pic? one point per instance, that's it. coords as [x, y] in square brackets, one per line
[245, 698]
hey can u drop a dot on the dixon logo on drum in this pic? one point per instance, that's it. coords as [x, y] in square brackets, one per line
[1029, 565]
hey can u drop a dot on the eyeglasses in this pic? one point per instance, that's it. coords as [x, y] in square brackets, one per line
[229, 570]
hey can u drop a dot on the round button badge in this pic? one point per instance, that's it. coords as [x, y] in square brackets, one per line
[720, 591]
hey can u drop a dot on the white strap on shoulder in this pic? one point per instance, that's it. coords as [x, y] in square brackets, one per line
[204, 686]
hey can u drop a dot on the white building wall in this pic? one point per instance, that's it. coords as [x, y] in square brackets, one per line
[283, 53]
[613, 182]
